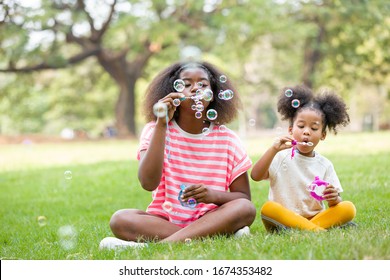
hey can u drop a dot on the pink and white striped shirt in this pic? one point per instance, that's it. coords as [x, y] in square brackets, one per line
[215, 160]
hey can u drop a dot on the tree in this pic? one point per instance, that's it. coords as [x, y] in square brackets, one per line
[63, 22]
[121, 35]
[344, 38]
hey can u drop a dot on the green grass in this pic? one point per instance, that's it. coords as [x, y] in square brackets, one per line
[104, 180]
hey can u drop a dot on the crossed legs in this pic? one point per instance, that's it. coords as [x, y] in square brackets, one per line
[275, 216]
[137, 225]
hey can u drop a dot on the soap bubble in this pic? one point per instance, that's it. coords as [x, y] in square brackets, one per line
[167, 206]
[199, 106]
[205, 131]
[226, 94]
[211, 114]
[198, 115]
[176, 102]
[68, 175]
[179, 85]
[42, 221]
[222, 128]
[223, 79]
[288, 93]
[279, 130]
[207, 95]
[252, 122]
[187, 241]
[198, 93]
[67, 236]
[295, 103]
[191, 202]
[160, 109]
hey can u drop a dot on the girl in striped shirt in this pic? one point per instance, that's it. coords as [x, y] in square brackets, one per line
[195, 167]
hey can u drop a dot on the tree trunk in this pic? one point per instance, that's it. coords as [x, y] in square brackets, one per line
[125, 74]
[312, 56]
[125, 108]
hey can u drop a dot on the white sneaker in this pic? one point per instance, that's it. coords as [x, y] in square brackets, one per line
[245, 231]
[116, 243]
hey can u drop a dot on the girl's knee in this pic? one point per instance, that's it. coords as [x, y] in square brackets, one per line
[348, 209]
[265, 207]
[246, 209]
[269, 207]
[251, 211]
[116, 220]
[120, 218]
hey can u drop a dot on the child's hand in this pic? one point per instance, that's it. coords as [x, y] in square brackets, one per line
[199, 192]
[331, 195]
[282, 143]
[168, 100]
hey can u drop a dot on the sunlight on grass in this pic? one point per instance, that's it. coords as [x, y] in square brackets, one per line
[104, 180]
[27, 156]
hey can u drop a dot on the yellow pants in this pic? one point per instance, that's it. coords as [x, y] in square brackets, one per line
[275, 217]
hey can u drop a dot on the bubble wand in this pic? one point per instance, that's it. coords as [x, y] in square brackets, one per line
[295, 143]
[191, 202]
[317, 188]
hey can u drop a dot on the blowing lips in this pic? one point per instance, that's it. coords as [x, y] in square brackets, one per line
[306, 140]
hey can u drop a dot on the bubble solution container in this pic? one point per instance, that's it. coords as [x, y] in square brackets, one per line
[191, 202]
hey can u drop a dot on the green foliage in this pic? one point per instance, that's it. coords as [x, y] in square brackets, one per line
[260, 45]
[357, 34]
[35, 187]
[50, 101]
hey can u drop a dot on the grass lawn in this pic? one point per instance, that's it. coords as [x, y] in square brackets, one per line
[46, 216]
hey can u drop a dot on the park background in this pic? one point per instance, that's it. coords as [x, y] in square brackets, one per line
[72, 78]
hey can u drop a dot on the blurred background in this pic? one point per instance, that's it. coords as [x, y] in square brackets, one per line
[78, 69]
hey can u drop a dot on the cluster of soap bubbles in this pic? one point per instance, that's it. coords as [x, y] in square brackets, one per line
[226, 94]
[206, 130]
[160, 109]
[295, 102]
[198, 107]
[67, 234]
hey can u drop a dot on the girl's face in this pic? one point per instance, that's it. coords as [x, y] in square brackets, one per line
[194, 79]
[307, 127]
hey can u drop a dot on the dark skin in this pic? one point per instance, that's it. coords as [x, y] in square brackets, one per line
[235, 211]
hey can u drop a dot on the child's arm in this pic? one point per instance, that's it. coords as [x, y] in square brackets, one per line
[201, 193]
[260, 169]
[152, 160]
